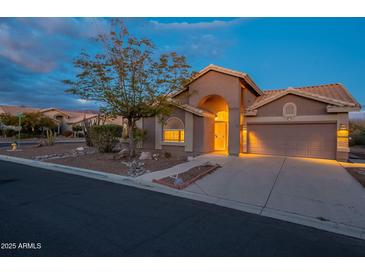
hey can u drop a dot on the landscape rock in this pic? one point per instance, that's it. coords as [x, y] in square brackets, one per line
[155, 156]
[117, 148]
[145, 155]
[124, 153]
[135, 168]
[73, 153]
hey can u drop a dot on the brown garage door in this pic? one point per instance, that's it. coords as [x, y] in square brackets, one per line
[304, 140]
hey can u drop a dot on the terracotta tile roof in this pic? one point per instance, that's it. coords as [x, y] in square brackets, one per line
[335, 94]
[14, 110]
[77, 117]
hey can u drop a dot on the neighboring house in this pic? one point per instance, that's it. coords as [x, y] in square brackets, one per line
[74, 118]
[224, 110]
[65, 119]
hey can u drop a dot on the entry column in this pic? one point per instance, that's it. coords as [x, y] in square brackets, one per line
[234, 131]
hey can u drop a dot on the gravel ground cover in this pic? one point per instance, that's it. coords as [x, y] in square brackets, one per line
[89, 158]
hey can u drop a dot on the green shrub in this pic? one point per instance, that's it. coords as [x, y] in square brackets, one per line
[139, 135]
[10, 132]
[105, 137]
[77, 128]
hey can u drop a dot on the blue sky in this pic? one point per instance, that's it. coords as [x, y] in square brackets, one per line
[37, 53]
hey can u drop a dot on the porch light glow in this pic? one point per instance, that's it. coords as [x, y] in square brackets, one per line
[221, 116]
[342, 131]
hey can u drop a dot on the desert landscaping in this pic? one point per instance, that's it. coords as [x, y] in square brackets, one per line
[82, 156]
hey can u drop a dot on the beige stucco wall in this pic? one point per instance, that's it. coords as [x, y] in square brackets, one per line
[216, 83]
[149, 126]
[176, 150]
[183, 97]
[214, 104]
[304, 106]
[229, 88]
[203, 135]
[308, 111]
[158, 130]
[248, 97]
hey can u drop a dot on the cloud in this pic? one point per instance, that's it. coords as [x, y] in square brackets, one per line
[70, 27]
[37, 53]
[206, 46]
[40, 44]
[26, 49]
[196, 25]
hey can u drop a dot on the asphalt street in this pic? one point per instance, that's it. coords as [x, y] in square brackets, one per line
[47, 213]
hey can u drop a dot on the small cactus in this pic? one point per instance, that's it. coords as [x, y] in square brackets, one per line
[50, 137]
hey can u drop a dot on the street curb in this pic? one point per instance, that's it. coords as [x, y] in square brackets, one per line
[146, 185]
[330, 226]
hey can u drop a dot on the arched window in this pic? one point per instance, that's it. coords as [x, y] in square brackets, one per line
[173, 130]
[289, 110]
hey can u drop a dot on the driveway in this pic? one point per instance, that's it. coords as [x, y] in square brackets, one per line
[71, 215]
[312, 189]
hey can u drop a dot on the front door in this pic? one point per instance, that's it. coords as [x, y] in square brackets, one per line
[220, 134]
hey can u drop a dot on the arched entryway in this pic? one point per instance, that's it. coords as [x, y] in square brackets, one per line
[219, 107]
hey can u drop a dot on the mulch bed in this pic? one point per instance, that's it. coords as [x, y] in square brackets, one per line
[358, 174]
[184, 179]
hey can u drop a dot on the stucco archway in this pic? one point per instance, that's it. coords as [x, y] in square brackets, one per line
[219, 107]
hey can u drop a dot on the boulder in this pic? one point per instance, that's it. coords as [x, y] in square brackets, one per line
[145, 155]
[124, 153]
[117, 148]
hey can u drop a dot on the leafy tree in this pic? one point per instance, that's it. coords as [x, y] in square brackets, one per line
[32, 122]
[36, 122]
[129, 77]
[47, 123]
[8, 119]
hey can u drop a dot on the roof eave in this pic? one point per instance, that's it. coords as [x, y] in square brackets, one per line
[319, 98]
[338, 109]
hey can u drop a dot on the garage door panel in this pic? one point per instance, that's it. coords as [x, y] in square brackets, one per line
[304, 140]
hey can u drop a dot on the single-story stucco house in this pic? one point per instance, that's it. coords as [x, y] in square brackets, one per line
[65, 119]
[224, 110]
